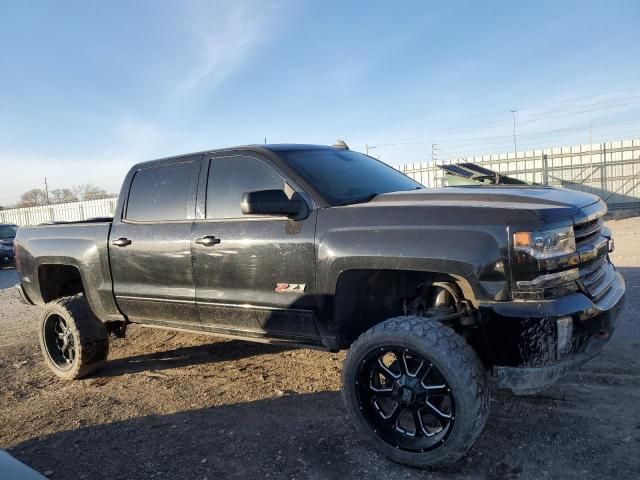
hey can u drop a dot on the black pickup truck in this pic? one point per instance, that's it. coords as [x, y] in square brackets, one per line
[433, 291]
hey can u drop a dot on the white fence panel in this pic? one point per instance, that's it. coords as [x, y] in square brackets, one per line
[61, 212]
[610, 170]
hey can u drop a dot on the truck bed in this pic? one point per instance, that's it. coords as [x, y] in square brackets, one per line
[68, 251]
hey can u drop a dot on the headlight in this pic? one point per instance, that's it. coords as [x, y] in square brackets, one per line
[546, 243]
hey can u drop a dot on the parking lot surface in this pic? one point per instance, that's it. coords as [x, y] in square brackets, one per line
[180, 406]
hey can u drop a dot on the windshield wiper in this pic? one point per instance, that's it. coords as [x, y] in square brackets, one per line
[363, 199]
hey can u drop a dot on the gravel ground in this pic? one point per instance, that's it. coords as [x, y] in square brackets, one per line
[179, 406]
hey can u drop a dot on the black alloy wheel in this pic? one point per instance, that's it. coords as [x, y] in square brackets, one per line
[406, 399]
[416, 390]
[58, 337]
[73, 341]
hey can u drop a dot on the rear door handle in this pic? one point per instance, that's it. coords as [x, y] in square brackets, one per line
[207, 241]
[121, 242]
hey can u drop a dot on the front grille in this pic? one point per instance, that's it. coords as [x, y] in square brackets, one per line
[596, 272]
[596, 278]
[587, 231]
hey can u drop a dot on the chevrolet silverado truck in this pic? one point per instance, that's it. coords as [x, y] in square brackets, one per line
[433, 291]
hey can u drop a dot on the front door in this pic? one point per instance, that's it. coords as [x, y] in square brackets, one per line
[254, 275]
[150, 246]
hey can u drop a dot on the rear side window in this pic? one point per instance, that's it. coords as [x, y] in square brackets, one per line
[229, 178]
[160, 193]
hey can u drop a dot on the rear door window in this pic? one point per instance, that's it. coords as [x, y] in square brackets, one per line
[162, 193]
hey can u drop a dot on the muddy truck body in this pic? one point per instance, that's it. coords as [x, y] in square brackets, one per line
[433, 291]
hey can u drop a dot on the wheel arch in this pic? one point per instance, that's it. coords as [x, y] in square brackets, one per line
[365, 297]
[58, 280]
[64, 277]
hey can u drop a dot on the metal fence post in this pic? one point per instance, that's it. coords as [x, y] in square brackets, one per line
[545, 169]
[603, 174]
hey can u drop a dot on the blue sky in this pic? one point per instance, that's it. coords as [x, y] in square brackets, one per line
[88, 88]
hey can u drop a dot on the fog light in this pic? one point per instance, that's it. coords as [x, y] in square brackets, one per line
[565, 332]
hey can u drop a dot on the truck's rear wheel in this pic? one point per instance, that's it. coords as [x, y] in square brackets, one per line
[73, 341]
[416, 390]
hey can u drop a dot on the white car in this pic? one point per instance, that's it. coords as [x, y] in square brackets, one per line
[12, 469]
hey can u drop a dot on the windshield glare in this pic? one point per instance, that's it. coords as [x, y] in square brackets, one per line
[345, 176]
[7, 231]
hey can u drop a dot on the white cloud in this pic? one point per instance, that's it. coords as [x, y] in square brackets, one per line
[227, 33]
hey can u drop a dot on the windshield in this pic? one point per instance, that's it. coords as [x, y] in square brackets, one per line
[8, 231]
[344, 176]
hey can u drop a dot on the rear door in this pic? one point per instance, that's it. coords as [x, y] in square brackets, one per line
[150, 245]
[254, 275]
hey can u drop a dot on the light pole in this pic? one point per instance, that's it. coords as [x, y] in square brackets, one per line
[367, 148]
[515, 145]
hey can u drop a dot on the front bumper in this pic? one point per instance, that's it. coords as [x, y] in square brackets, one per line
[523, 336]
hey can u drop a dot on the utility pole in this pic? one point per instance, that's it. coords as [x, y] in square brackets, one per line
[434, 152]
[368, 147]
[590, 146]
[515, 144]
[46, 191]
[265, 140]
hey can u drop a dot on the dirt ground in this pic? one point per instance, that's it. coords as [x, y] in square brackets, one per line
[179, 406]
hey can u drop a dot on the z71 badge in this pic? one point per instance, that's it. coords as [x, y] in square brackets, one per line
[290, 287]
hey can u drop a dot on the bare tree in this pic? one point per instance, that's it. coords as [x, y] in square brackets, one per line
[88, 191]
[62, 195]
[32, 198]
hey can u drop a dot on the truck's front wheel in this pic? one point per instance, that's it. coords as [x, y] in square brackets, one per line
[73, 341]
[416, 390]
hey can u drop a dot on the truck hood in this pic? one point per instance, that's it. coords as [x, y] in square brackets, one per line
[547, 202]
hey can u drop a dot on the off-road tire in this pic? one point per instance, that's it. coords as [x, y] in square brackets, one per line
[90, 337]
[459, 365]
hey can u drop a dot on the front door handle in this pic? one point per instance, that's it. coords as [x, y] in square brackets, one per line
[207, 241]
[121, 242]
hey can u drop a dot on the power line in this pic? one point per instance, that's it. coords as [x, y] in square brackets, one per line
[531, 107]
[499, 148]
[627, 128]
[524, 118]
[46, 191]
[526, 134]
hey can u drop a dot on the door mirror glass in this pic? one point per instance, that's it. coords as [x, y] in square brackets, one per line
[271, 202]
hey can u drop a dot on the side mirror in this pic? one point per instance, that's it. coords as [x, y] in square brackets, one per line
[272, 202]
